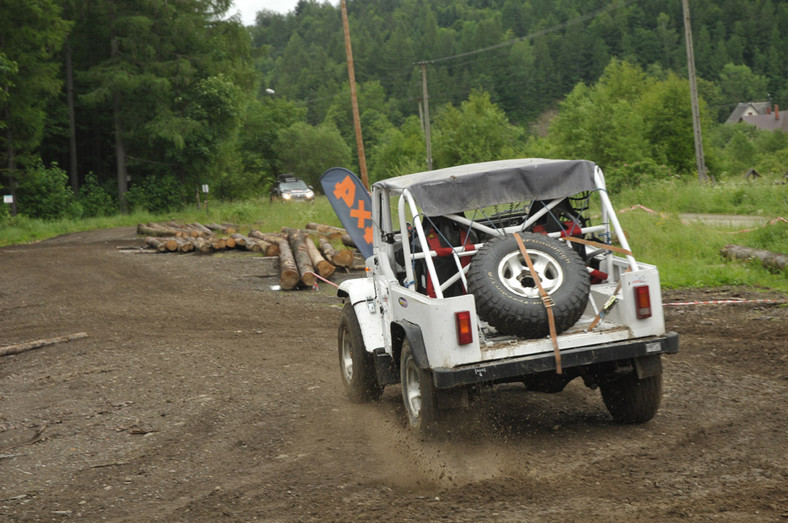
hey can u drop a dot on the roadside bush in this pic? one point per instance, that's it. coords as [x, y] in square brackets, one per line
[94, 199]
[156, 194]
[635, 174]
[44, 193]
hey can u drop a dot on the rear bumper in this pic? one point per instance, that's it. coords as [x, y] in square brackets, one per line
[513, 367]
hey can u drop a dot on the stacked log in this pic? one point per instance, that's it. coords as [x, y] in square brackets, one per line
[343, 258]
[334, 233]
[300, 260]
[297, 240]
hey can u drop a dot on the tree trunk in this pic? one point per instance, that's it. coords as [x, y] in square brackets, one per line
[288, 270]
[332, 232]
[271, 241]
[72, 126]
[343, 258]
[324, 268]
[22, 347]
[768, 259]
[297, 240]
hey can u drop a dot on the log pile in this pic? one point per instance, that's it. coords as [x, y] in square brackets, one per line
[304, 255]
[771, 260]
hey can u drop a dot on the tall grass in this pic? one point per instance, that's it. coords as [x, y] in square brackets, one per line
[688, 255]
[764, 197]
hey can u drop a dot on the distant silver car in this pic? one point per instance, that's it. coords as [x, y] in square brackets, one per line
[288, 187]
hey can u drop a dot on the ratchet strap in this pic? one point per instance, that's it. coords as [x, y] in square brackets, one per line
[598, 245]
[546, 299]
[608, 305]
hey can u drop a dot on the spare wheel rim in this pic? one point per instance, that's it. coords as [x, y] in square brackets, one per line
[514, 274]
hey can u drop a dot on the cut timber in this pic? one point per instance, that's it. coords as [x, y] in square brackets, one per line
[22, 347]
[200, 227]
[152, 229]
[771, 260]
[272, 240]
[155, 243]
[240, 239]
[324, 268]
[288, 270]
[224, 229]
[343, 258]
[297, 240]
[334, 233]
[184, 244]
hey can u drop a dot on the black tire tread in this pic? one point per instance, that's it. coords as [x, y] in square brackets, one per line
[632, 400]
[527, 317]
[364, 386]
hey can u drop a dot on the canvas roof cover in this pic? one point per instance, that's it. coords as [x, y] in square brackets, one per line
[478, 185]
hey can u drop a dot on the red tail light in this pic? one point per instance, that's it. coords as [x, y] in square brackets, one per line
[642, 302]
[464, 327]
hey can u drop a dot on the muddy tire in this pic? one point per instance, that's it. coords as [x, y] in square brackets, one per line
[356, 365]
[507, 296]
[418, 394]
[632, 400]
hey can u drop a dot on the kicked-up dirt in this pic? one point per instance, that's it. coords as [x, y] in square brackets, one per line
[201, 394]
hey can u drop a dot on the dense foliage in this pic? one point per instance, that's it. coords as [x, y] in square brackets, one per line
[157, 98]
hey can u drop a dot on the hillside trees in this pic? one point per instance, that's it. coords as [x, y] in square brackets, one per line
[31, 34]
[172, 82]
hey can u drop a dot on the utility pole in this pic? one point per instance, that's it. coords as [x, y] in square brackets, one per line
[702, 175]
[426, 113]
[362, 159]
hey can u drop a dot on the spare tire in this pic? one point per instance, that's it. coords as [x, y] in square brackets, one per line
[507, 296]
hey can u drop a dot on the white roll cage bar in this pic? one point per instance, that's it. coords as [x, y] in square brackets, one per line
[609, 219]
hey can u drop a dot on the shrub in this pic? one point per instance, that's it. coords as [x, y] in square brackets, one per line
[44, 193]
[635, 174]
[156, 194]
[94, 199]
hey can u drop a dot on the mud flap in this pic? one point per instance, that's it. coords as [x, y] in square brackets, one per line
[413, 334]
[648, 366]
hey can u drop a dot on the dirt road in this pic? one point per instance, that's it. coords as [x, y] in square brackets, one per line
[200, 394]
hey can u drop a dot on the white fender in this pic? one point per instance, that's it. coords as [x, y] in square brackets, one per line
[361, 293]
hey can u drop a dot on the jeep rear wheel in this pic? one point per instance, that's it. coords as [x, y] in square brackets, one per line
[356, 364]
[630, 399]
[418, 393]
[507, 296]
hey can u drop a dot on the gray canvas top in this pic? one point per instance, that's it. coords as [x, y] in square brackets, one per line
[464, 187]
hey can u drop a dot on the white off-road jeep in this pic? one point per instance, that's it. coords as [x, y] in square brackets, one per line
[496, 272]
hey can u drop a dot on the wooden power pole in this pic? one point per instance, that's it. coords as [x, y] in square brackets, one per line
[426, 104]
[362, 159]
[702, 175]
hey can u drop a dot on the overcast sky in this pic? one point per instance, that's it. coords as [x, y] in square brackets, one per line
[249, 8]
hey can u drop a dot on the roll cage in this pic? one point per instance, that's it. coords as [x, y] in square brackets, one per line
[555, 192]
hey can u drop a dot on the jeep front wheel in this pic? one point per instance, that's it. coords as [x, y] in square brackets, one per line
[507, 296]
[356, 364]
[418, 393]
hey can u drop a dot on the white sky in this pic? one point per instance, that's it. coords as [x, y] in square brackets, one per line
[249, 8]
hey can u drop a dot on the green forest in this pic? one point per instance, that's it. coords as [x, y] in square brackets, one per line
[112, 105]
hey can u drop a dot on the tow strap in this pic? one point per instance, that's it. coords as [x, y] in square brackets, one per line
[598, 245]
[546, 299]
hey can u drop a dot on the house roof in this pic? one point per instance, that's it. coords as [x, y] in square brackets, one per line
[768, 122]
[759, 108]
